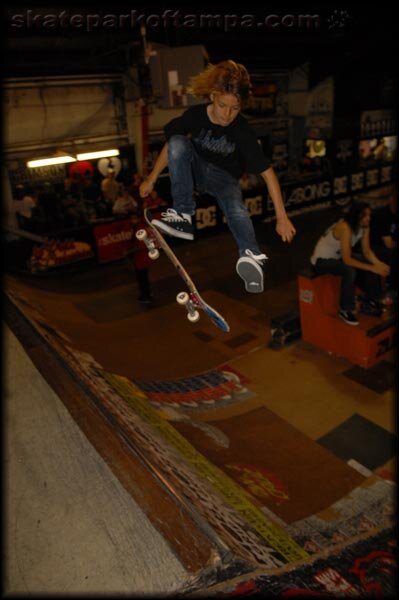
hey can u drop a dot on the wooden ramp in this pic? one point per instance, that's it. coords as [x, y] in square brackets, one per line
[242, 513]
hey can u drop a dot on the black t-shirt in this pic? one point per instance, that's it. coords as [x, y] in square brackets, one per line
[234, 148]
[383, 224]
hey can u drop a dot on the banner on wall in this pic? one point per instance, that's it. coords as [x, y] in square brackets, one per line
[113, 240]
[20, 174]
[299, 197]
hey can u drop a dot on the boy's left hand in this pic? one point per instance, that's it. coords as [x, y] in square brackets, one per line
[285, 229]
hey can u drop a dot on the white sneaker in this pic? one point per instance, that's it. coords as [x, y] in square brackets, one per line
[250, 269]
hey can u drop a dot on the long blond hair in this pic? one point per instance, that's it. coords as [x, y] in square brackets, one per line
[226, 77]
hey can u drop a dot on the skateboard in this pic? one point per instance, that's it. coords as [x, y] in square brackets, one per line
[191, 299]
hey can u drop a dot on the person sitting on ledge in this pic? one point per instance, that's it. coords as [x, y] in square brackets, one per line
[384, 241]
[334, 254]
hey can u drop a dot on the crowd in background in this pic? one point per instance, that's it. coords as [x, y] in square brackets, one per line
[79, 201]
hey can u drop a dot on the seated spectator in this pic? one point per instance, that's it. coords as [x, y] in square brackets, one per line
[73, 184]
[334, 254]
[110, 188]
[124, 203]
[24, 204]
[97, 206]
[384, 238]
[75, 212]
[50, 208]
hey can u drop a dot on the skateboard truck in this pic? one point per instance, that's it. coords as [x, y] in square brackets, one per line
[192, 313]
[183, 298]
[153, 251]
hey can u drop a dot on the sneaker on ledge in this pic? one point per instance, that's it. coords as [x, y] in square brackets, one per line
[250, 269]
[175, 224]
[348, 317]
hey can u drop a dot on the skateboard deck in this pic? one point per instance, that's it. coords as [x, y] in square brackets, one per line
[191, 299]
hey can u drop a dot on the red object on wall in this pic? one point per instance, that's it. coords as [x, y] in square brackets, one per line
[364, 345]
[81, 167]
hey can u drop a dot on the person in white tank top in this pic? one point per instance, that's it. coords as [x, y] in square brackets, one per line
[334, 254]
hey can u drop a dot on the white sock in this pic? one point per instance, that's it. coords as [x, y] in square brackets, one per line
[188, 217]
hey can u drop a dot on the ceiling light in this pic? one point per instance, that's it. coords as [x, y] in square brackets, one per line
[101, 154]
[44, 162]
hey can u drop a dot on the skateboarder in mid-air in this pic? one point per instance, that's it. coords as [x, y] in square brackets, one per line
[208, 148]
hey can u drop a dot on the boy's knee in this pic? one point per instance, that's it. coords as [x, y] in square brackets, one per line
[238, 212]
[178, 145]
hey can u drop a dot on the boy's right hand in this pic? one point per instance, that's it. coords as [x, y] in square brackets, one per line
[146, 188]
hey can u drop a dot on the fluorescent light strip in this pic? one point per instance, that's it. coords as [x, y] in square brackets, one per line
[44, 162]
[101, 154]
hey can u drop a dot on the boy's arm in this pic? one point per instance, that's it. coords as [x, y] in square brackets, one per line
[148, 184]
[284, 227]
[179, 126]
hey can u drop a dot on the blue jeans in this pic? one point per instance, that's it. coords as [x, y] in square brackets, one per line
[369, 283]
[188, 172]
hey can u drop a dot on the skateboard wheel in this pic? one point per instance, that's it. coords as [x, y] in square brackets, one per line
[141, 234]
[153, 254]
[193, 317]
[182, 298]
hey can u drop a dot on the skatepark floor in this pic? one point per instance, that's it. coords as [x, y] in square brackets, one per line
[70, 526]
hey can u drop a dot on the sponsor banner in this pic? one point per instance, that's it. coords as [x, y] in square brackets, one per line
[308, 193]
[299, 197]
[339, 189]
[113, 240]
[209, 217]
